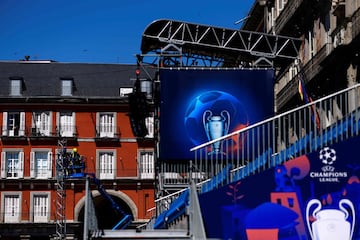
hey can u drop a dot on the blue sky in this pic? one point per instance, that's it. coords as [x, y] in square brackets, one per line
[99, 31]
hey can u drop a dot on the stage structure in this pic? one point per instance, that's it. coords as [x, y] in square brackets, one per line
[176, 45]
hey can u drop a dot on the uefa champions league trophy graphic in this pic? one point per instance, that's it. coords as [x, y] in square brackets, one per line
[331, 224]
[216, 127]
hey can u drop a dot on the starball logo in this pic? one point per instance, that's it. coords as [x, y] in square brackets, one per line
[328, 173]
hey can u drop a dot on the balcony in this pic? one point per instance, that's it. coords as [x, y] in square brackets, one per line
[356, 24]
[69, 131]
[13, 134]
[107, 134]
[286, 14]
[311, 69]
[338, 7]
[47, 134]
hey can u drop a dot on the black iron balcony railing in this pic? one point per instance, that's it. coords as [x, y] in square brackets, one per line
[107, 131]
[13, 132]
[49, 131]
[67, 131]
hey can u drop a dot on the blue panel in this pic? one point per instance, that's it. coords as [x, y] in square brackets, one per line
[160, 221]
[178, 207]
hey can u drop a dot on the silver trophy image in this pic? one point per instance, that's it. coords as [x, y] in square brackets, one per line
[331, 224]
[216, 127]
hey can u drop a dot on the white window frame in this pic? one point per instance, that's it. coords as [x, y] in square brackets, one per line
[12, 125]
[106, 122]
[40, 206]
[280, 6]
[293, 71]
[13, 169]
[311, 44]
[38, 170]
[149, 123]
[106, 162]
[11, 208]
[272, 19]
[42, 122]
[67, 87]
[146, 164]
[66, 123]
[15, 87]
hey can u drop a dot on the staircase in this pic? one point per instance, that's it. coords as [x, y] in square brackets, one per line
[288, 135]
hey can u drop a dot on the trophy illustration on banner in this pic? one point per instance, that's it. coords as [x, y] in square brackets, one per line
[216, 127]
[331, 224]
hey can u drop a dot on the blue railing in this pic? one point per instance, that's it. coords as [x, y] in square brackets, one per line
[176, 209]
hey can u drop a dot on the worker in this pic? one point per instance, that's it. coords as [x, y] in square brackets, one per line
[77, 160]
[75, 153]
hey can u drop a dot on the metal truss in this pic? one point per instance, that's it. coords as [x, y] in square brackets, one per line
[189, 44]
[60, 192]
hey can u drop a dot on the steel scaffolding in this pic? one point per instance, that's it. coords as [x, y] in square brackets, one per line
[60, 191]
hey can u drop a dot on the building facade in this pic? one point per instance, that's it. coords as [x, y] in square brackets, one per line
[48, 107]
[329, 53]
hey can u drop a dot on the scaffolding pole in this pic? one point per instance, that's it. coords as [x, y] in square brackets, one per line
[60, 191]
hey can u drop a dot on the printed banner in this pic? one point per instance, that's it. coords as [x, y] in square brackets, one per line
[315, 196]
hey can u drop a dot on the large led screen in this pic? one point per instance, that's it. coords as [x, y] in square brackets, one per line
[192, 100]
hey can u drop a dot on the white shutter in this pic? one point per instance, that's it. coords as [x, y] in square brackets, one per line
[4, 126]
[21, 165]
[147, 165]
[49, 124]
[22, 124]
[107, 164]
[149, 121]
[67, 124]
[12, 205]
[107, 125]
[41, 207]
[32, 164]
[3, 164]
[49, 164]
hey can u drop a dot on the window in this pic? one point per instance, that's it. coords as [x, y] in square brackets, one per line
[66, 124]
[40, 207]
[293, 71]
[15, 87]
[41, 163]
[311, 44]
[12, 163]
[106, 123]
[123, 92]
[146, 167]
[66, 87]
[11, 207]
[106, 164]
[13, 124]
[149, 122]
[280, 5]
[271, 17]
[42, 123]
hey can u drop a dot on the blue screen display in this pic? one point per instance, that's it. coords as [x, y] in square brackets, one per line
[193, 100]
